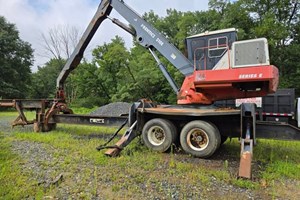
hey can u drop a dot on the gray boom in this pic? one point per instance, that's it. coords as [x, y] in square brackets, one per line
[145, 34]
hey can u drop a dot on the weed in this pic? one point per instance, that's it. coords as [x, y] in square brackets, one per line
[248, 184]
[226, 165]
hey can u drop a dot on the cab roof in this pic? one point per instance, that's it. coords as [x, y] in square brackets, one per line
[213, 32]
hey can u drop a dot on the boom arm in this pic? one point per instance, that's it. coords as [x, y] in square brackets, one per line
[200, 86]
[146, 35]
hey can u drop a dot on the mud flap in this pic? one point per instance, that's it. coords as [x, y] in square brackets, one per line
[248, 129]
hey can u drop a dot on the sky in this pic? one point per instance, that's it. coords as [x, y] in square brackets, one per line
[36, 17]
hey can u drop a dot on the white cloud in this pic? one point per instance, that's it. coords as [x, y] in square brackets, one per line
[34, 17]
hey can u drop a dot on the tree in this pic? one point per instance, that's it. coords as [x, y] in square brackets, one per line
[16, 57]
[84, 87]
[111, 58]
[60, 41]
[278, 21]
[44, 80]
[58, 45]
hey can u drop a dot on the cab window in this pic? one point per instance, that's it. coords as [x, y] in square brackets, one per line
[217, 47]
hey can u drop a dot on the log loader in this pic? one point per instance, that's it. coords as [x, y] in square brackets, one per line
[217, 67]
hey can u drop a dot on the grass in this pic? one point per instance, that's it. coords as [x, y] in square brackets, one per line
[138, 170]
[279, 158]
[14, 183]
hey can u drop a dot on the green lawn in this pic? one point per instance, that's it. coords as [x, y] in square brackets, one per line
[138, 172]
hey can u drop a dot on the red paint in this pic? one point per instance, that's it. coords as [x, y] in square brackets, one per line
[207, 86]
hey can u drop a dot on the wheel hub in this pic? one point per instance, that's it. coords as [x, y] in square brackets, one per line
[197, 139]
[156, 135]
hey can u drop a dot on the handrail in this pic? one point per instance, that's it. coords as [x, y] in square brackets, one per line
[205, 60]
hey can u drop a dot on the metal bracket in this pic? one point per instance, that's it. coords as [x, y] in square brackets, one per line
[248, 132]
[21, 119]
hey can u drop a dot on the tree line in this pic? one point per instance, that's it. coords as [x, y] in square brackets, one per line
[116, 73]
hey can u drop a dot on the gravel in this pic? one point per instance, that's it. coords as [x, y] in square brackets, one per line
[36, 157]
[45, 163]
[113, 109]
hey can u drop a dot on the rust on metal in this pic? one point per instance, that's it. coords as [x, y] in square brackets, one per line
[114, 152]
[245, 165]
[246, 158]
[197, 139]
[21, 119]
[7, 104]
[128, 136]
[190, 111]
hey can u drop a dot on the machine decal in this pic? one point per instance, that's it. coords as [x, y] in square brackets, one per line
[200, 77]
[247, 76]
[159, 41]
[97, 121]
[173, 56]
[147, 30]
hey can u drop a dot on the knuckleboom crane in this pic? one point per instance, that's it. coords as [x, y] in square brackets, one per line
[202, 86]
[217, 67]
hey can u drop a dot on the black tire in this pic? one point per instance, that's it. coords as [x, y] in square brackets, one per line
[200, 138]
[159, 134]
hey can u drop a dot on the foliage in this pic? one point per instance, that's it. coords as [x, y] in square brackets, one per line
[44, 80]
[127, 76]
[15, 61]
[84, 88]
[111, 58]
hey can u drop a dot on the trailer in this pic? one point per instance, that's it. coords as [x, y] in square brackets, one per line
[200, 130]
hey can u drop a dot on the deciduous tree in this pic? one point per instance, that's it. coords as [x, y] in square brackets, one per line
[16, 57]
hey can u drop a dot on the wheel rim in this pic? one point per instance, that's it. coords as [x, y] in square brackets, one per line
[156, 135]
[197, 139]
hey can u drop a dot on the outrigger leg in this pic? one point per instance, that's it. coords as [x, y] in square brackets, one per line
[128, 136]
[248, 117]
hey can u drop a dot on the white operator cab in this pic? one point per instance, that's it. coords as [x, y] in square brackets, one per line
[214, 50]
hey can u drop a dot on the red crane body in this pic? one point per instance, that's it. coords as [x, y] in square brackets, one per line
[207, 86]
